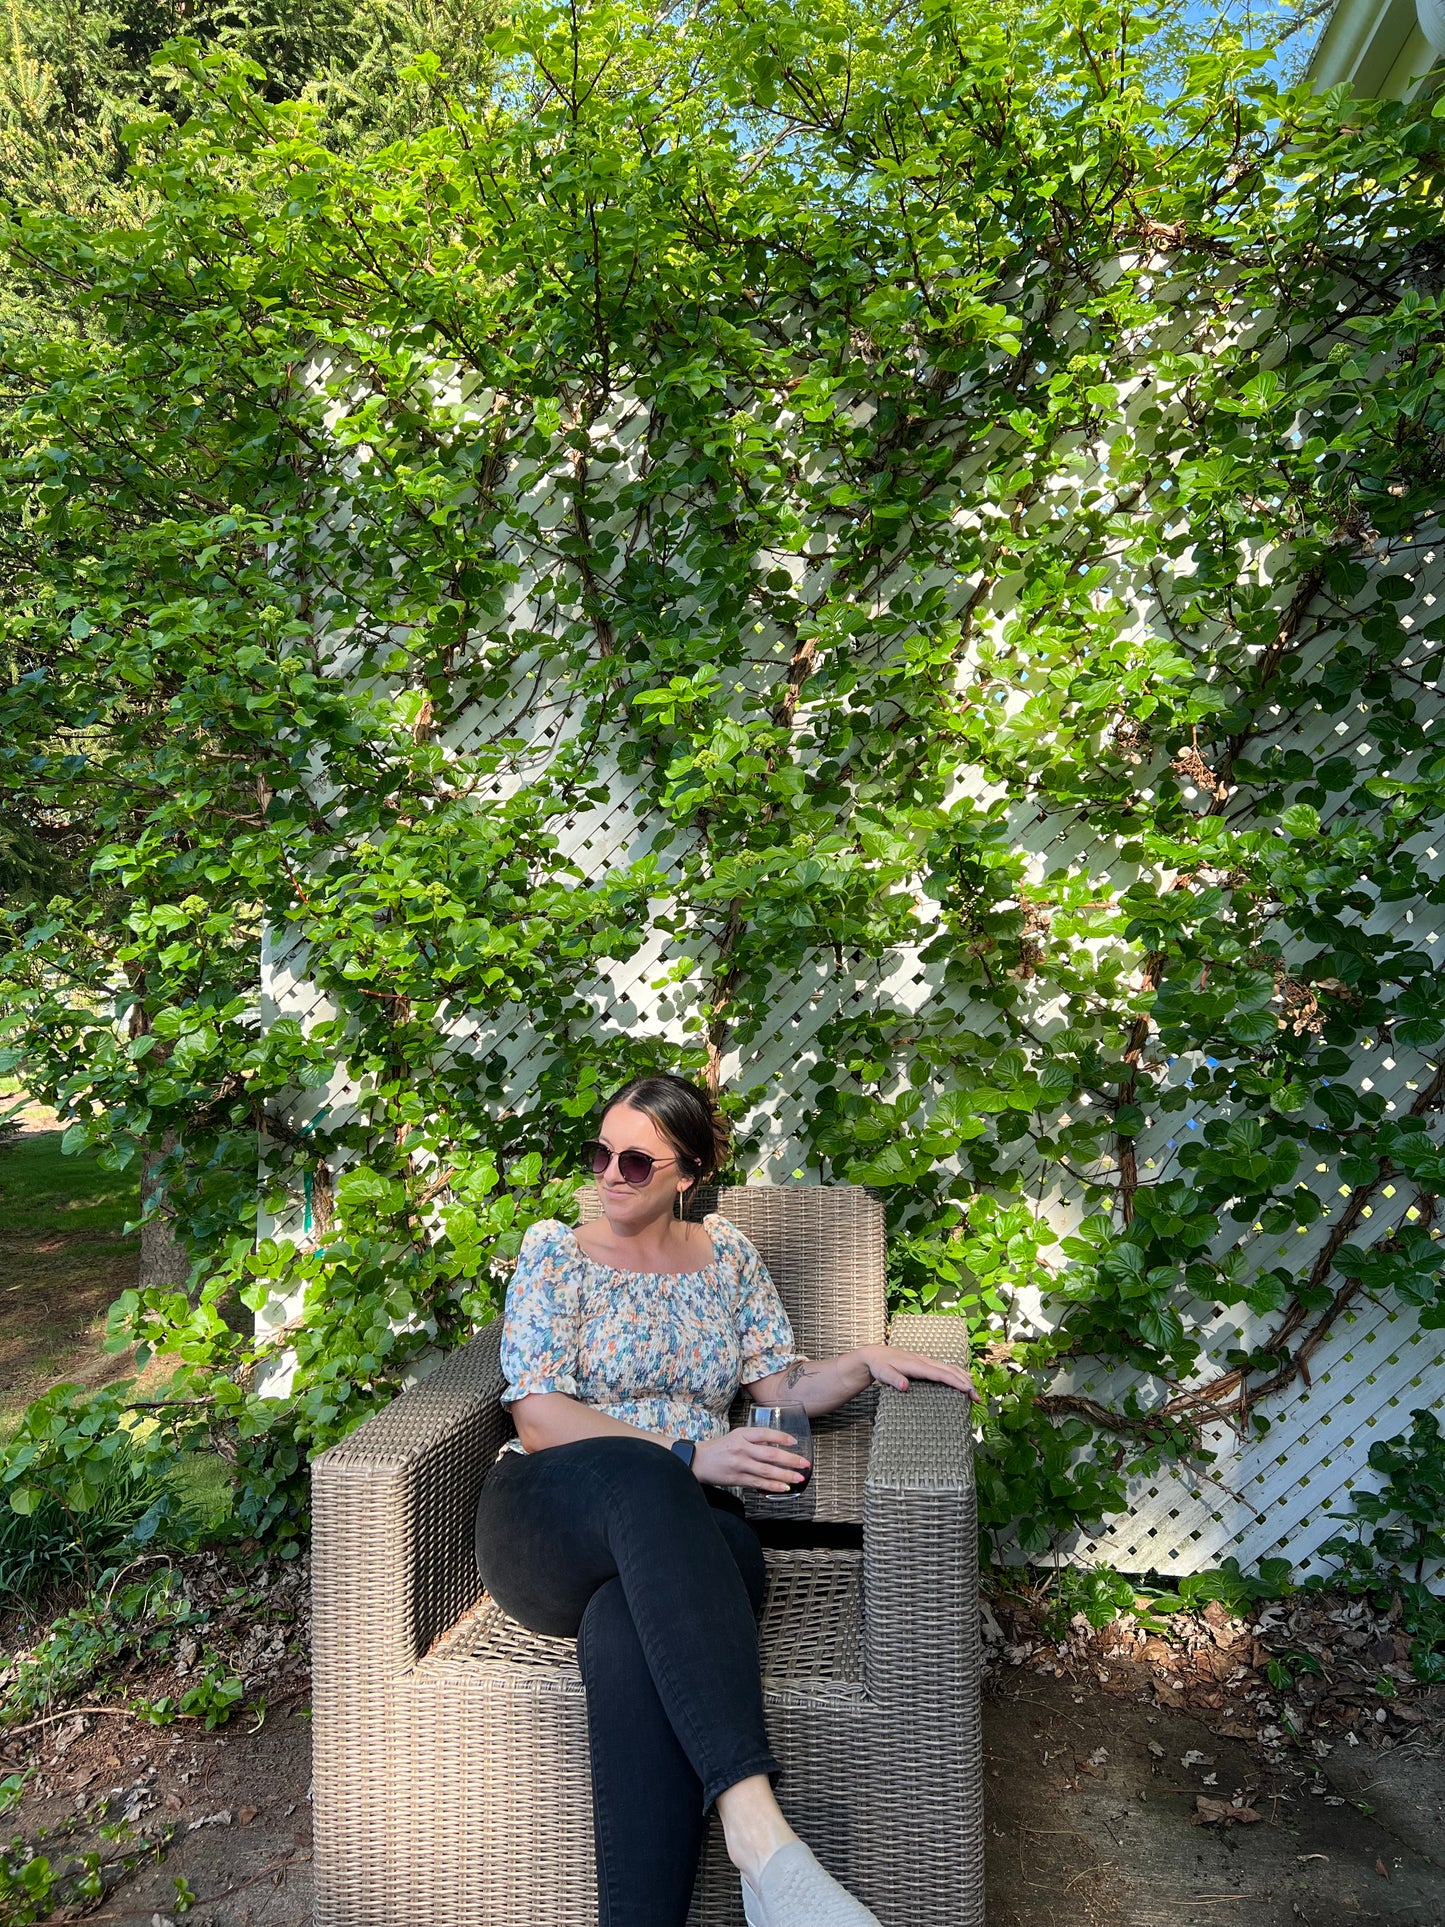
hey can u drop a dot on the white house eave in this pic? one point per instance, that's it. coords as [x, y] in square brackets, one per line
[1374, 46]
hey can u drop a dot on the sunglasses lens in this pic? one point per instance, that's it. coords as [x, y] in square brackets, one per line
[597, 1157]
[635, 1167]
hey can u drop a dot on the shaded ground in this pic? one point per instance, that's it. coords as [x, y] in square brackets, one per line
[1092, 1820]
[64, 1258]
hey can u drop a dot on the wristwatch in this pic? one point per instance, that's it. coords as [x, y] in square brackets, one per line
[685, 1450]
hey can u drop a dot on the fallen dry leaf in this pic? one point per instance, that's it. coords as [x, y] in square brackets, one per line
[246, 1815]
[1211, 1813]
[173, 1803]
[1382, 1870]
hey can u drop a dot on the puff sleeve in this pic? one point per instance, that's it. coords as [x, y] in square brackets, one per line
[765, 1334]
[539, 1326]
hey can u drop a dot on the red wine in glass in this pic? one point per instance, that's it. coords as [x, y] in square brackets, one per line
[793, 1420]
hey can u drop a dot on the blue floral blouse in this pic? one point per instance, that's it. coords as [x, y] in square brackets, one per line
[659, 1350]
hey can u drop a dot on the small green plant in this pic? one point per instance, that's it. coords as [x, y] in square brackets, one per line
[84, 1645]
[66, 1531]
[1101, 1594]
[1098, 1592]
[27, 1883]
[216, 1695]
[185, 1895]
[1396, 1535]
[1285, 1668]
[1226, 1585]
[36, 1887]
[33, 1888]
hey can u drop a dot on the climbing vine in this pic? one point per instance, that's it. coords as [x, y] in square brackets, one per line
[776, 491]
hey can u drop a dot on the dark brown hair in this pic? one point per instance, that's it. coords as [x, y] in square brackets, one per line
[686, 1116]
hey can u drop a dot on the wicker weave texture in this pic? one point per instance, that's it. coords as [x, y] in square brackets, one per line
[452, 1777]
[823, 1247]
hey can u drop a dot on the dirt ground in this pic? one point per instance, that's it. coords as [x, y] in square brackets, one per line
[64, 1258]
[1091, 1820]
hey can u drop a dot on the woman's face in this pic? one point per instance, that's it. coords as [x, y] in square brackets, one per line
[632, 1206]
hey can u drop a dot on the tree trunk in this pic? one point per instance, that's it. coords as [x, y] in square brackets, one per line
[163, 1259]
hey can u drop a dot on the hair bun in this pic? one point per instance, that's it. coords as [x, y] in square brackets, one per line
[686, 1114]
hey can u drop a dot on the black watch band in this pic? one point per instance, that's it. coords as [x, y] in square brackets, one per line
[685, 1450]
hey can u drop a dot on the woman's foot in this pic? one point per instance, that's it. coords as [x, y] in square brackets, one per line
[793, 1890]
[753, 1824]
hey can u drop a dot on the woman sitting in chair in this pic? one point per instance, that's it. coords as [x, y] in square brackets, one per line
[607, 1520]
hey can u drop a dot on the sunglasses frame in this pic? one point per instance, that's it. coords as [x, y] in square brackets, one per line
[593, 1145]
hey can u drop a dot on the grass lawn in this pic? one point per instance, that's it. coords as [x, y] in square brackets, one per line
[64, 1257]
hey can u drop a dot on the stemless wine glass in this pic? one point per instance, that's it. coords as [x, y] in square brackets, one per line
[793, 1420]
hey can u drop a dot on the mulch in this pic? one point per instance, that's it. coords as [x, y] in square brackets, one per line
[1341, 1671]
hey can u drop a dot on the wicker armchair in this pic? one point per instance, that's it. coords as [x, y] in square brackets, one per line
[451, 1765]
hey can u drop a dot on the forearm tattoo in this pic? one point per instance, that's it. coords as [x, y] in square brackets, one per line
[797, 1372]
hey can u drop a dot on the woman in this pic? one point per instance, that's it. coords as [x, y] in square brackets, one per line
[624, 1344]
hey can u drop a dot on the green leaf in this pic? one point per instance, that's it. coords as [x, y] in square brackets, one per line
[1301, 820]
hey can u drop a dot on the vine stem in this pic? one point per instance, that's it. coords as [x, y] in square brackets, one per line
[1230, 1395]
[1127, 1147]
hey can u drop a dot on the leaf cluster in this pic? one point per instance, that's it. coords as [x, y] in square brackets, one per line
[852, 508]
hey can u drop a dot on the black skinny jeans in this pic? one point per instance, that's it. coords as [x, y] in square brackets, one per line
[660, 1580]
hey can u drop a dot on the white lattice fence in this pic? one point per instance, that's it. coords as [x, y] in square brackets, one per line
[1267, 1494]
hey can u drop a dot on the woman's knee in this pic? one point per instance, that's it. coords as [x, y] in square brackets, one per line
[747, 1552]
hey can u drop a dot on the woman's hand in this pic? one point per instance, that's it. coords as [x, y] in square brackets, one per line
[897, 1368]
[751, 1455]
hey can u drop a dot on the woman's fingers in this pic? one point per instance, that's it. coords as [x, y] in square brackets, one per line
[935, 1369]
[776, 1465]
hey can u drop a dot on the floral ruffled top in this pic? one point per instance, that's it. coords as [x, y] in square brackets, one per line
[663, 1351]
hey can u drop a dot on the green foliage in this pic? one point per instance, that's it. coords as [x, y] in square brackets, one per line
[83, 1646]
[79, 1468]
[74, 75]
[215, 1696]
[35, 1886]
[125, 1622]
[1101, 1594]
[1399, 1536]
[856, 446]
[1098, 1592]
[50, 1542]
[27, 1884]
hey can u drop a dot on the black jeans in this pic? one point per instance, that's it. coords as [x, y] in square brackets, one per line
[660, 1580]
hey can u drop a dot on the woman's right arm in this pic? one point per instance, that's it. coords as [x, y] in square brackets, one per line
[553, 1418]
[749, 1455]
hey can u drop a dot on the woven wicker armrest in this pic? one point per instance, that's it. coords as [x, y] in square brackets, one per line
[392, 1507]
[920, 1529]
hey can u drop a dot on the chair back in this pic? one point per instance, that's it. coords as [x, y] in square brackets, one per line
[822, 1245]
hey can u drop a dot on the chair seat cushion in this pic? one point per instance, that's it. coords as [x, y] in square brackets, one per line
[811, 1630]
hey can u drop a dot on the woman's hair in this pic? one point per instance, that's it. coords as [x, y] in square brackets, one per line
[686, 1116]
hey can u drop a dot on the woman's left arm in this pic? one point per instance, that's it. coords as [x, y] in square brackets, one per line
[823, 1384]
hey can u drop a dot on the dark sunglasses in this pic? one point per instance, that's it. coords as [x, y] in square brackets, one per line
[633, 1167]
